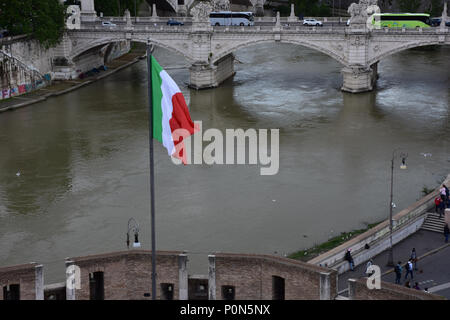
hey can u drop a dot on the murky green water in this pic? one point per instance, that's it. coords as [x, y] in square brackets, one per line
[83, 159]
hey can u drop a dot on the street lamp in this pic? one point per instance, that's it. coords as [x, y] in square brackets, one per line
[403, 166]
[135, 228]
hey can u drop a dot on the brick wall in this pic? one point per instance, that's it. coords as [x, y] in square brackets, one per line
[24, 275]
[251, 275]
[389, 291]
[127, 274]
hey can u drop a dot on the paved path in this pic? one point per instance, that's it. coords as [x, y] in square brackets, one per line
[433, 270]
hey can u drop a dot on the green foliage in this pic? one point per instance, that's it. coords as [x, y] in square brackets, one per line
[72, 2]
[311, 8]
[305, 255]
[42, 19]
[409, 5]
[116, 7]
[436, 8]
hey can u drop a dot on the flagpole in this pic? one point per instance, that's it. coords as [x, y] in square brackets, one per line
[152, 173]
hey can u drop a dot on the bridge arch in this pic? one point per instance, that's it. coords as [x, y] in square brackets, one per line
[327, 51]
[97, 43]
[400, 48]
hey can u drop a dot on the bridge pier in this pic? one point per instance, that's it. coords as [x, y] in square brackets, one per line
[359, 79]
[204, 75]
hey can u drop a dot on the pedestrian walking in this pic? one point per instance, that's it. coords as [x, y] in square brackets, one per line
[442, 193]
[398, 272]
[446, 232]
[407, 284]
[349, 258]
[414, 258]
[441, 209]
[447, 192]
[409, 269]
[437, 202]
[416, 286]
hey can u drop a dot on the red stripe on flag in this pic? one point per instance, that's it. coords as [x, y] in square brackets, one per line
[181, 119]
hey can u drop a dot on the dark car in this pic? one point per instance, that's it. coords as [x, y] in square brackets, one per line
[436, 22]
[173, 22]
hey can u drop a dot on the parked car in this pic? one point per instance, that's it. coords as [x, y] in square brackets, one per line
[312, 22]
[173, 22]
[108, 24]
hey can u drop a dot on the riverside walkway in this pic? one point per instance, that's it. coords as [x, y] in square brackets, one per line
[433, 265]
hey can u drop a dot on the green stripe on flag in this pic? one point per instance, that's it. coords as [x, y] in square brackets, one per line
[157, 97]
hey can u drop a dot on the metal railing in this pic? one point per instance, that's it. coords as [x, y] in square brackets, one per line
[27, 68]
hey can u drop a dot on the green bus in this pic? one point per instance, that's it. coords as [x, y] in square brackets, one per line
[401, 20]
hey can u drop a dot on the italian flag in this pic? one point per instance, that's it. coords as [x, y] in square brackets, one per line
[170, 113]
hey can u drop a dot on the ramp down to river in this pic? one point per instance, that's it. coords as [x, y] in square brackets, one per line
[376, 240]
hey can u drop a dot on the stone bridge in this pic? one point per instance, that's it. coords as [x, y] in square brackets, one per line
[209, 50]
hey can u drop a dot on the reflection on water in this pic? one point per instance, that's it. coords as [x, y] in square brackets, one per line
[83, 159]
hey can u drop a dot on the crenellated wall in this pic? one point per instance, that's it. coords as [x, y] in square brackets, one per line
[252, 277]
[29, 277]
[358, 290]
[127, 274]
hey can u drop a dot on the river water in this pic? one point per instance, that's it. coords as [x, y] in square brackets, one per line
[75, 168]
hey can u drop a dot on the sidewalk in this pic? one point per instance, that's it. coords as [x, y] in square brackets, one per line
[61, 87]
[433, 267]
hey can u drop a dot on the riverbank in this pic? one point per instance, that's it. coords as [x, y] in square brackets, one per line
[58, 88]
[377, 240]
[308, 254]
[332, 243]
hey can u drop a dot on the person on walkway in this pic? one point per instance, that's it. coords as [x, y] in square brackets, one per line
[441, 209]
[446, 232]
[447, 193]
[348, 257]
[416, 286]
[407, 284]
[437, 202]
[368, 265]
[443, 193]
[398, 272]
[409, 269]
[414, 258]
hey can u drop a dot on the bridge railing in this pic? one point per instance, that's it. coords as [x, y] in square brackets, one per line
[145, 19]
[189, 19]
[416, 31]
[284, 27]
[217, 29]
